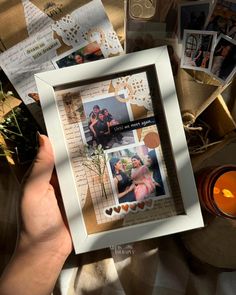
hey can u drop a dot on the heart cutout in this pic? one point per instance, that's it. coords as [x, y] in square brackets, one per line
[133, 206]
[141, 205]
[125, 207]
[109, 211]
[148, 203]
[117, 209]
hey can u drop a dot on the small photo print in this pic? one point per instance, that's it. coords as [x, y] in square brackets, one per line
[197, 52]
[224, 59]
[135, 174]
[223, 18]
[101, 117]
[73, 107]
[192, 16]
[87, 53]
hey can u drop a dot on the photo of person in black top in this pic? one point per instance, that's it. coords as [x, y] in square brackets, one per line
[101, 117]
[112, 122]
[153, 166]
[224, 58]
[101, 130]
[123, 183]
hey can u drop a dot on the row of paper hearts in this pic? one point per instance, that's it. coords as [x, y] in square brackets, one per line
[129, 207]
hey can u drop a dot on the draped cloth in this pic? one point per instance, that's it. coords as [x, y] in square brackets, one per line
[153, 267]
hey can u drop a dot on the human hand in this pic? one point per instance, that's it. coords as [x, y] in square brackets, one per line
[44, 241]
[131, 187]
[157, 184]
[42, 224]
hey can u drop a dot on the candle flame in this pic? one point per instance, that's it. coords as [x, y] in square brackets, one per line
[227, 193]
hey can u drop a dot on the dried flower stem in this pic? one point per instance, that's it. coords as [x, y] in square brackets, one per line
[95, 160]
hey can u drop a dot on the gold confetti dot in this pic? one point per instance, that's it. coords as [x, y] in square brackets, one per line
[152, 140]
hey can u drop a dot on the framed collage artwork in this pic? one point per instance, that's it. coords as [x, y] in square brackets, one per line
[120, 150]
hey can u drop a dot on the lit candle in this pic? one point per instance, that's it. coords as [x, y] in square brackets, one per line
[217, 190]
[224, 193]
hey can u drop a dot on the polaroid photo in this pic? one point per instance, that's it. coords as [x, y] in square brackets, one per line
[82, 54]
[136, 174]
[224, 59]
[192, 16]
[197, 50]
[222, 19]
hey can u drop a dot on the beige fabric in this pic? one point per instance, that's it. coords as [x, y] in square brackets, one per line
[159, 266]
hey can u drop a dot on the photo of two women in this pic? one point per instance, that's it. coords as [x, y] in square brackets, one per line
[136, 174]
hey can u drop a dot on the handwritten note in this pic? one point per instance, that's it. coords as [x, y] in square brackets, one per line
[87, 93]
[29, 57]
[35, 19]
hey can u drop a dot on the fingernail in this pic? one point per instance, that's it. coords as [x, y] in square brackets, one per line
[40, 140]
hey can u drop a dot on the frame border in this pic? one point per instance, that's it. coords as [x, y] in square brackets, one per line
[159, 59]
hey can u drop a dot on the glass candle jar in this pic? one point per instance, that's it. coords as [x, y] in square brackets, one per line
[217, 190]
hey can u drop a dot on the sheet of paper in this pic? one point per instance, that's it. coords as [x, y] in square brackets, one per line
[36, 20]
[22, 61]
[85, 25]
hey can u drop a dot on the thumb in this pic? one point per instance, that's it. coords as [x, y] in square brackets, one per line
[43, 165]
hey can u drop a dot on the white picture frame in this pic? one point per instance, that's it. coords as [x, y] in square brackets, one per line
[157, 61]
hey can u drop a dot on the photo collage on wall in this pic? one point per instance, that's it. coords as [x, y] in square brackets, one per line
[208, 35]
[117, 158]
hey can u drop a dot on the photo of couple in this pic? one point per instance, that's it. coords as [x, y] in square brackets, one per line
[100, 119]
[136, 174]
[198, 49]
